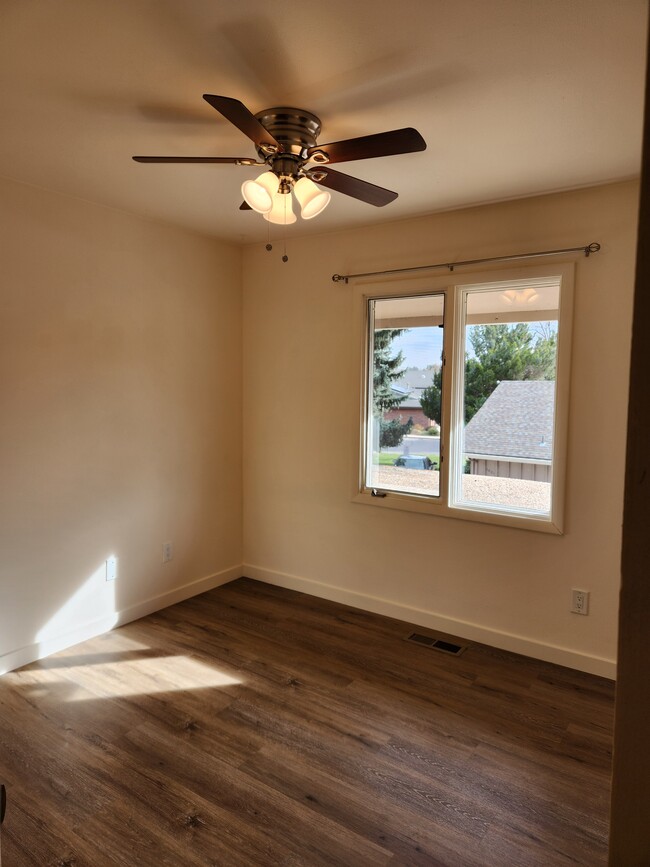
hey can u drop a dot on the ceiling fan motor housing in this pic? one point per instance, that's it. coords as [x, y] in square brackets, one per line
[296, 130]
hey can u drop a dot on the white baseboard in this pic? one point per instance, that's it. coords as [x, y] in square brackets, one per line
[164, 600]
[430, 620]
[39, 650]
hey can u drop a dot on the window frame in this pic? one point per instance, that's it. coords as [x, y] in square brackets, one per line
[452, 286]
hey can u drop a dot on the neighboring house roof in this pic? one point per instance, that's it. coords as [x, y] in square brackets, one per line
[415, 377]
[516, 421]
[413, 383]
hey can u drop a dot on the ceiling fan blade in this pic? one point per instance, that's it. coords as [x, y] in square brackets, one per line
[382, 144]
[354, 187]
[237, 161]
[237, 113]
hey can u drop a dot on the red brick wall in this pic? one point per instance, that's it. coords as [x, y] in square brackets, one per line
[404, 414]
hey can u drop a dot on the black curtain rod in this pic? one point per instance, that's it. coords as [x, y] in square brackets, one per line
[590, 248]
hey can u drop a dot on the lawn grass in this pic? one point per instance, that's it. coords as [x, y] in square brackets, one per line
[387, 459]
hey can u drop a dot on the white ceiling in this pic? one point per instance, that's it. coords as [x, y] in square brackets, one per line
[513, 97]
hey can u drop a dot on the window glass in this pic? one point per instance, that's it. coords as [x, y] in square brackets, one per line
[504, 454]
[403, 418]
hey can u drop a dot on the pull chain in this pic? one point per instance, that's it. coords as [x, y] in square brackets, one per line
[269, 245]
[285, 258]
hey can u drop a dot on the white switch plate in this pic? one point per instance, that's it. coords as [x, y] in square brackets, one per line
[168, 552]
[111, 569]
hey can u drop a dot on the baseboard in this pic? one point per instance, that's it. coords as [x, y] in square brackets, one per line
[164, 600]
[430, 620]
[39, 650]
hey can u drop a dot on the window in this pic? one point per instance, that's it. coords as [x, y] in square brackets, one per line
[400, 439]
[465, 397]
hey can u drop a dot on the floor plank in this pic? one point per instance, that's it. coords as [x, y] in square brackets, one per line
[254, 725]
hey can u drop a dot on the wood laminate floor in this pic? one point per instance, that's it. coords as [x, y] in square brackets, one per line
[257, 726]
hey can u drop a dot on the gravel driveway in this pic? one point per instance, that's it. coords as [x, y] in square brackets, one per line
[476, 489]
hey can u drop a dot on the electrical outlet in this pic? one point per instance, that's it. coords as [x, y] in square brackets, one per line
[168, 552]
[111, 569]
[580, 601]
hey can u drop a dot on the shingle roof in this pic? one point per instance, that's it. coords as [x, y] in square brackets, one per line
[516, 421]
[416, 377]
[414, 381]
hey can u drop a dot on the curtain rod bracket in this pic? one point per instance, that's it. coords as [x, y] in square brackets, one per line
[588, 249]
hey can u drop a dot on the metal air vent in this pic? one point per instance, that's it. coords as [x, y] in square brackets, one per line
[436, 643]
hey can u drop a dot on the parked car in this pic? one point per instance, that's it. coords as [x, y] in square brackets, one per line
[414, 462]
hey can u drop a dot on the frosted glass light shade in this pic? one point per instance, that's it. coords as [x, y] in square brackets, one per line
[282, 210]
[259, 193]
[520, 296]
[312, 199]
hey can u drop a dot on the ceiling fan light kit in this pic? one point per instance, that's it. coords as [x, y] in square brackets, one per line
[285, 140]
[312, 200]
[281, 212]
[259, 193]
[268, 194]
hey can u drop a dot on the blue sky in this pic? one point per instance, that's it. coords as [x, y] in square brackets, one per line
[423, 346]
[420, 346]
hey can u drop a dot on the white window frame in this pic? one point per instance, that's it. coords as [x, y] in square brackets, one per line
[455, 288]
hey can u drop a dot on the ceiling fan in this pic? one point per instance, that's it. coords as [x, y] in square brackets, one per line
[286, 144]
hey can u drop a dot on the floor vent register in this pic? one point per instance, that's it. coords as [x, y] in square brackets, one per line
[436, 643]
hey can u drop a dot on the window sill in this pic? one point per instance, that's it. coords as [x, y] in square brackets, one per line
[432, 506]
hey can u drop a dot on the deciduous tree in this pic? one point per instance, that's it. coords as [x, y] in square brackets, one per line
[501, 352]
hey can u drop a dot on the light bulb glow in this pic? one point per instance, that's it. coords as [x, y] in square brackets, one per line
[312, 199]
[259, 193]
[520, 296]
[281, 211]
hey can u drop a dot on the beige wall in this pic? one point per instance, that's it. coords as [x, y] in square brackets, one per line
[120, 391]
[120, 401]
[508, 587]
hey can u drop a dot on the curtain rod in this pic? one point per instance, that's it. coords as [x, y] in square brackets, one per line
[587, 250]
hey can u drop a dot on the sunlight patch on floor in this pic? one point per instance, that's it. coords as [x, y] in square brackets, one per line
[122, 678]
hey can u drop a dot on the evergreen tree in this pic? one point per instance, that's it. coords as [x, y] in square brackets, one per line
[386, 369]
[391, 433]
